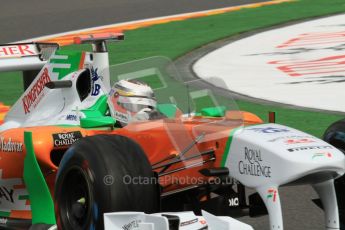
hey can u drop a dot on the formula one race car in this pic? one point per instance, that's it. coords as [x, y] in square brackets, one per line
[73, 148]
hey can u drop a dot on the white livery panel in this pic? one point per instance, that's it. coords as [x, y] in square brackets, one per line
[175, 220]
[267, 156]
[280, 155]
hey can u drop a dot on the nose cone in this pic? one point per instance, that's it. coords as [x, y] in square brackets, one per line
[305, 155]
[276, 154]
[314, 166]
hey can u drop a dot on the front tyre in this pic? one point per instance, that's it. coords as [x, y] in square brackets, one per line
[99, 174]
[335, 135]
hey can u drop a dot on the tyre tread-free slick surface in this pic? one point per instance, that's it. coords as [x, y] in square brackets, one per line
[93, 179]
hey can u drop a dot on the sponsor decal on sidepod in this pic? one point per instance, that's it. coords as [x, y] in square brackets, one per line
[66, 139]
[33, 97]
[10, 146]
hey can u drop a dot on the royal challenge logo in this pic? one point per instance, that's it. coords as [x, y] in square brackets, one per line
[253, 164]
[66, 139]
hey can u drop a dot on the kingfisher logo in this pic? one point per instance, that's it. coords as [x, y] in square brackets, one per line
[34, 96]
[18, 51]
[272, 194]
[270, 130]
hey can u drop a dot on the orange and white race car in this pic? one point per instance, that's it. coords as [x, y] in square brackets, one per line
[72, 149]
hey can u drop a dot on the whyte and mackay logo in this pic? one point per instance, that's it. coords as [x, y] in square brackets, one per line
[10, 146]
[66, 139]
[253, 164]
[33, 97]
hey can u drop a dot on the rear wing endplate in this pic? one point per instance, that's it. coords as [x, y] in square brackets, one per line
[25, 56]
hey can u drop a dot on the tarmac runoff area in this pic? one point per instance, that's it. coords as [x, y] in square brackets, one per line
[301, 65]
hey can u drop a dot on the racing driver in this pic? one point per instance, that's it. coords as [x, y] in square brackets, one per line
[132, 100]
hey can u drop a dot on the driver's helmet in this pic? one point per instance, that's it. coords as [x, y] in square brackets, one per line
[131, 100]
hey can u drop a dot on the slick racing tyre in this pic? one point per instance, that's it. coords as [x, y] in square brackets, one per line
[335, 135]
[100, 174]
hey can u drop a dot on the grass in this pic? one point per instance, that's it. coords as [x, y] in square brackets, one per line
[177, 38]
[311, 122]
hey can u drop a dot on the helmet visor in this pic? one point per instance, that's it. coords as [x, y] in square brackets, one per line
[135, 104]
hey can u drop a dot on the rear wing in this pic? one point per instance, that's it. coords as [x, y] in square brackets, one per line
[37, 95]
[25, 56]
[31, 57]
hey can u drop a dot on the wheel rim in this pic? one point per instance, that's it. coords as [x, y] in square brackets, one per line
[75, 200]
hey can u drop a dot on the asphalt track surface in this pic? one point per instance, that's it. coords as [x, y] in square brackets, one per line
[27, 19]
[22, 20]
